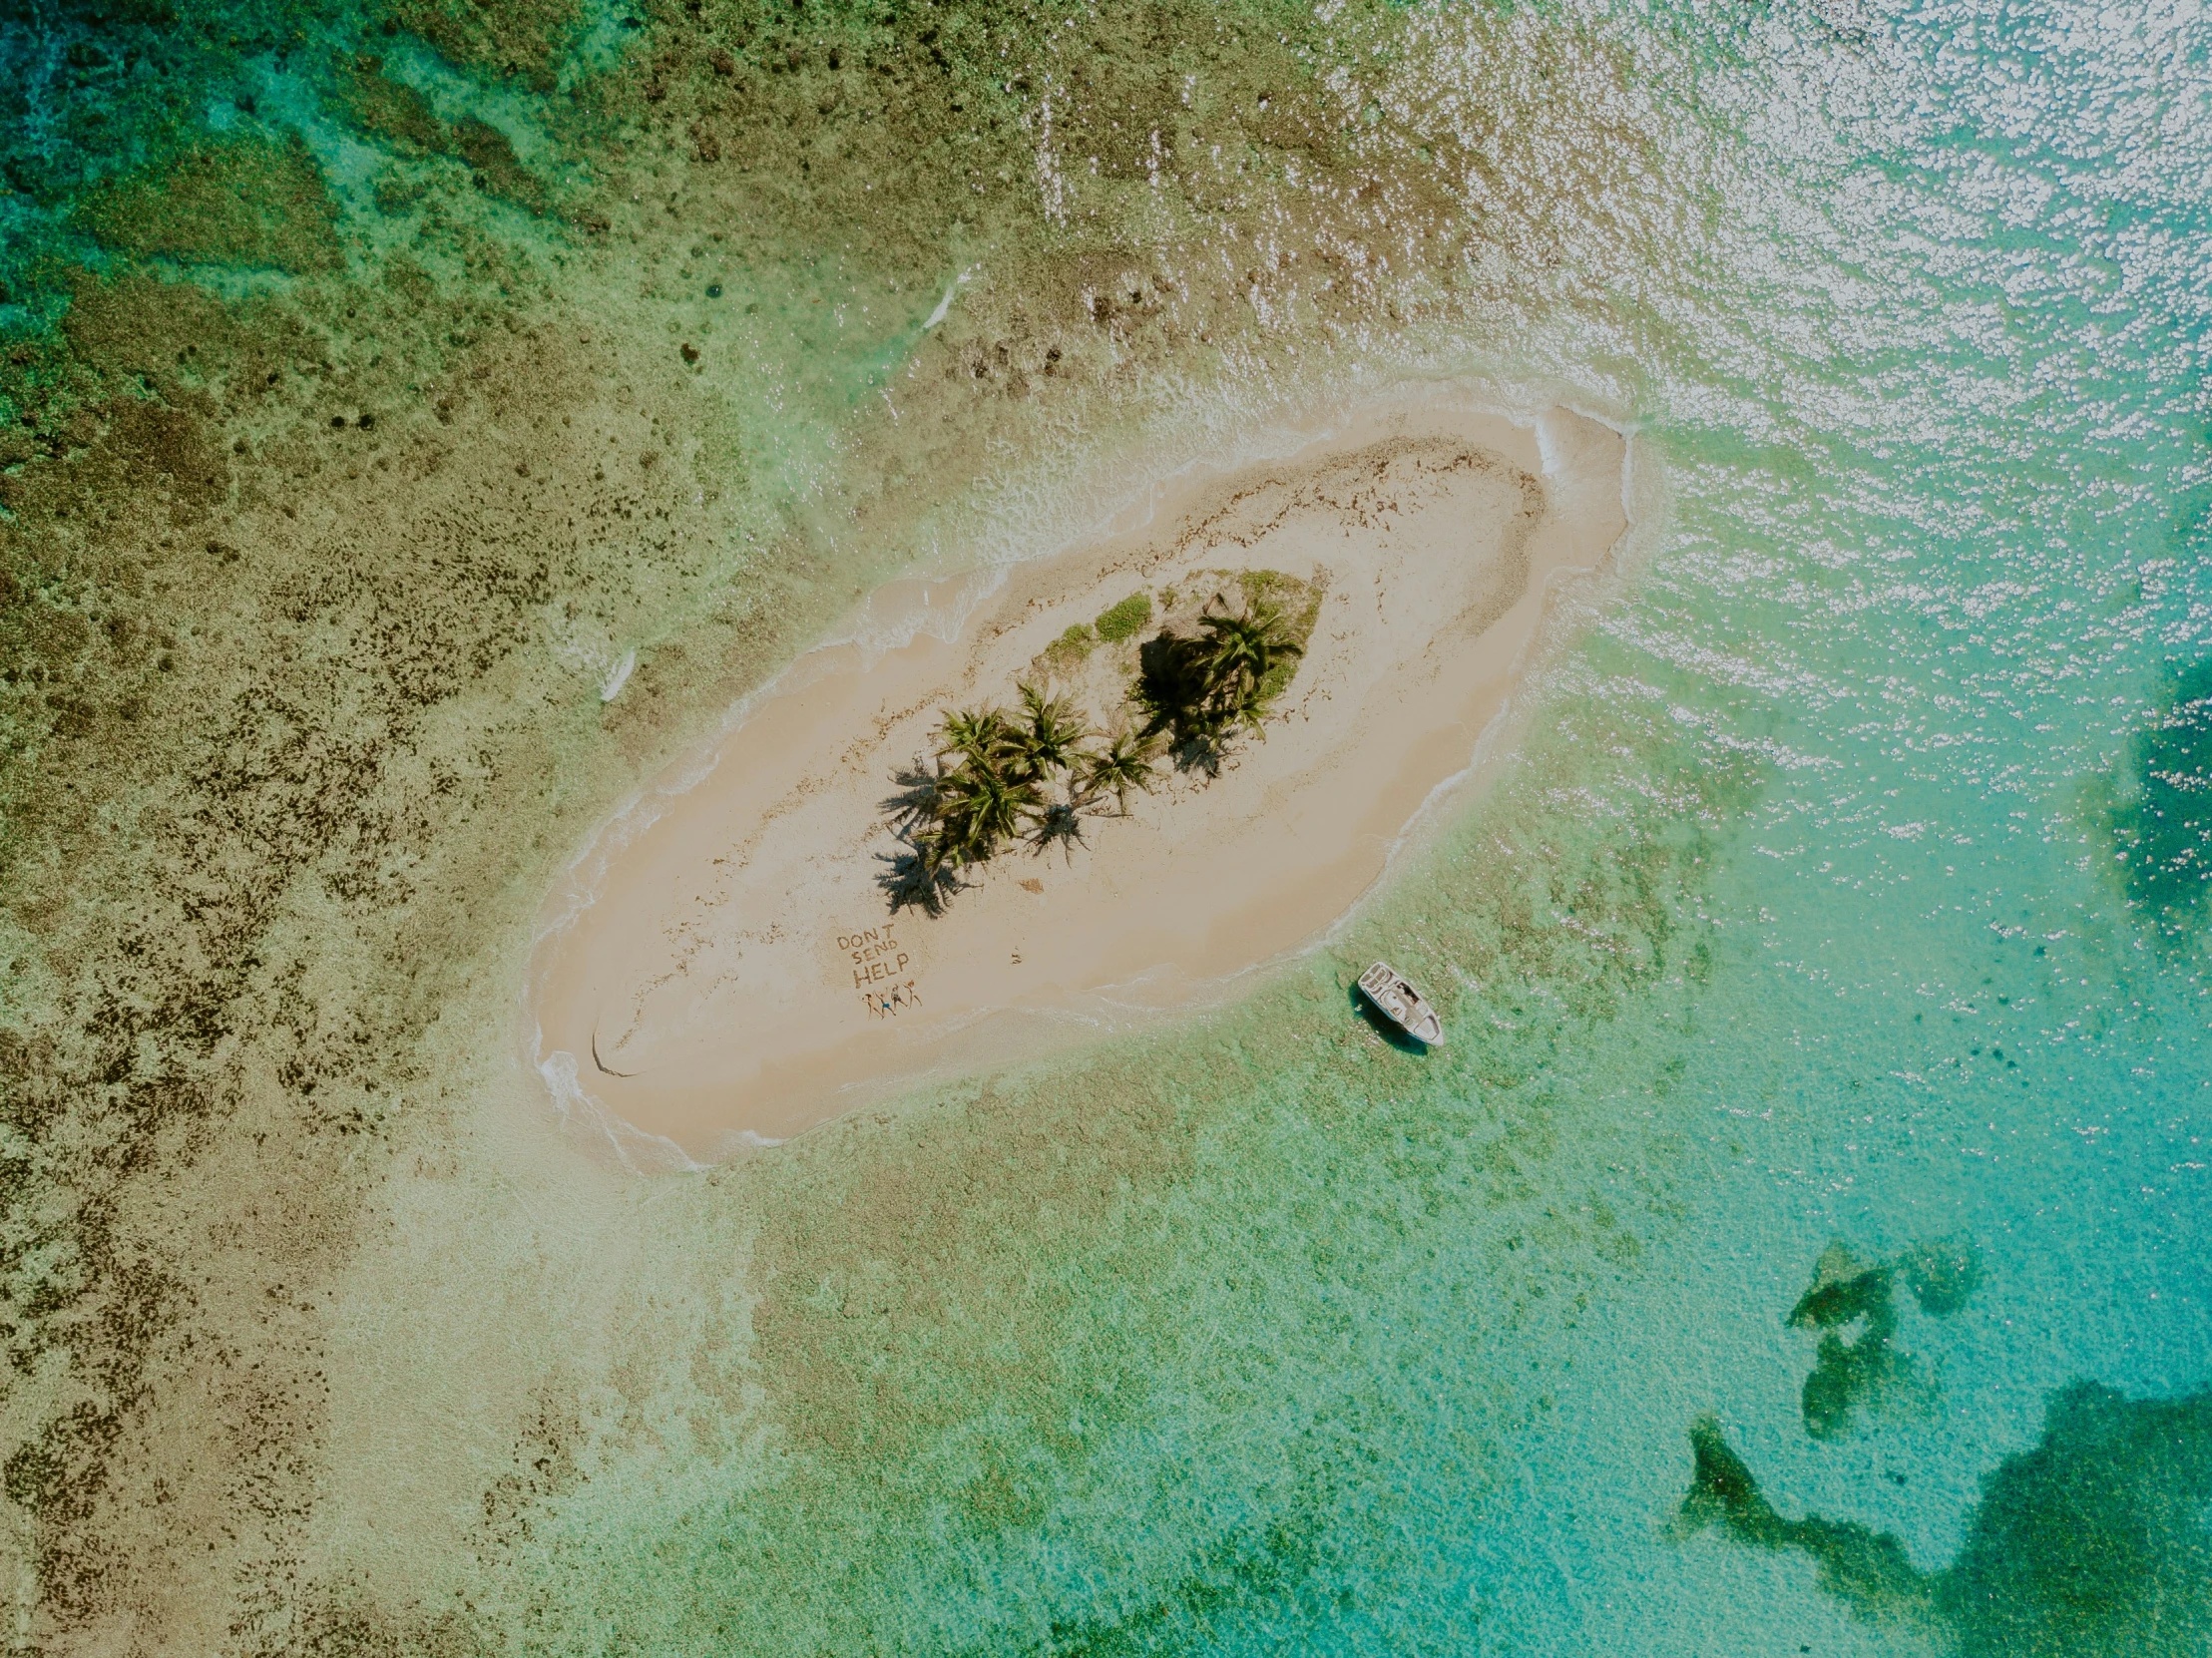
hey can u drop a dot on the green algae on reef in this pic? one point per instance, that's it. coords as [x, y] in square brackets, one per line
[526, 38]
[395, 111]
[239, 202]
[1872, 1370]
[333, 487]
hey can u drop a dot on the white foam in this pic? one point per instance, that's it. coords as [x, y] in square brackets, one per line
[618, 676]
[945, 306]
[636, 1151]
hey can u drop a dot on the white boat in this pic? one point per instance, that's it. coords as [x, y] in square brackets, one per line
[1401, 1003]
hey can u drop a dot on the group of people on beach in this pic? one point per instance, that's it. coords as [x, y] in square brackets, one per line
[884, 1003]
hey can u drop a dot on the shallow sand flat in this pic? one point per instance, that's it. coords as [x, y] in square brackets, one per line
[738, 972]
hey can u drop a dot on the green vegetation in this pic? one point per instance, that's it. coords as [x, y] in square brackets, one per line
[1124, 764]
[249, 202]
[1300, 606]
[1126, 619]
[1033, 775]
[1070, 648]
[1200, 691]
[997, 779]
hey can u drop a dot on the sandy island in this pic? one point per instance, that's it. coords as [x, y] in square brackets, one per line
[738, 975]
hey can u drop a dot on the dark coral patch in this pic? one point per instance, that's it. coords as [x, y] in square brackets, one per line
[1866, 1569]
[397, 113]
[389, 109]
[2093, 1543]
[1871, 1370]
[2162, 822]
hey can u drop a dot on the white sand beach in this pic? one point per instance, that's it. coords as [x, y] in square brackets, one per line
[739, 970]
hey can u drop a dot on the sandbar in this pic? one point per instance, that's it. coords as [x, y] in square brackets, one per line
[735, 972]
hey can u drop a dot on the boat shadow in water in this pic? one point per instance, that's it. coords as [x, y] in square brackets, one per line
[1384, 1025]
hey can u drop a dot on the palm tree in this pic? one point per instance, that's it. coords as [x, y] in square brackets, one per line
[1201, 689]
[1237, 656]
[1124, 764]
[1051, 737]
[931, 813]
[983, 736]
[921, 800]
[983, 807]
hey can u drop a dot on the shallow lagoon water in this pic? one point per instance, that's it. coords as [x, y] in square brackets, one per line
[1418, 1345]
[1842, 917]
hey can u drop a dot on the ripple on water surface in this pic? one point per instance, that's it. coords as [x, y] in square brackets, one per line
[1798, 1247]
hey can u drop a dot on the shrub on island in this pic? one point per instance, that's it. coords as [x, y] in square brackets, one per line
[1126, 620]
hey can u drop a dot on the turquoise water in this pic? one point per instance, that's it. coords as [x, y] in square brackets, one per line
[1435, 1334]
[1938, 561]
[1800, 1246]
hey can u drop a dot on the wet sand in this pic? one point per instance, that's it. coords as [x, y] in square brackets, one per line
[737, 973]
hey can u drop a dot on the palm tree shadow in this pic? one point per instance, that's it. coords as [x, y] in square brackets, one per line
[1061, 825]
[921, 793]
[1385, 1027]
[912, 882]
[1171, 688]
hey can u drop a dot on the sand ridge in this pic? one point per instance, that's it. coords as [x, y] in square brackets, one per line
[739, 972]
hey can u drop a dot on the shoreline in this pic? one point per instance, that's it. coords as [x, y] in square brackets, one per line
[692, 995]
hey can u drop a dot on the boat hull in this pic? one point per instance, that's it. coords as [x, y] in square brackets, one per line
[1391, 994]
